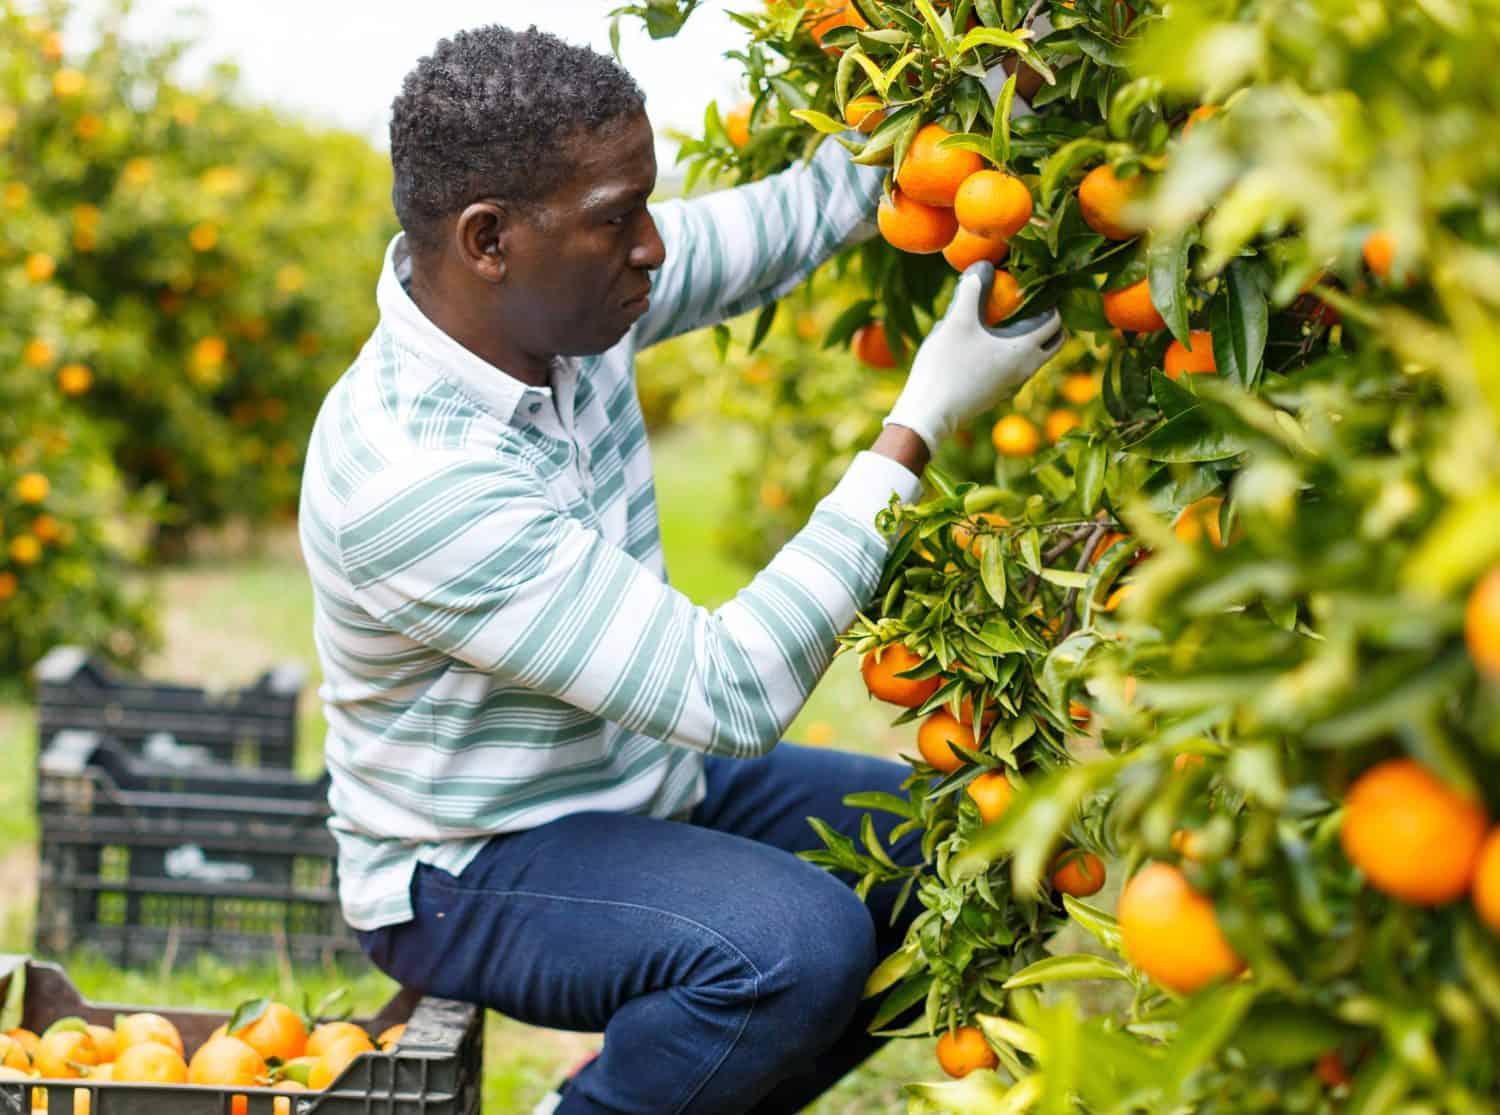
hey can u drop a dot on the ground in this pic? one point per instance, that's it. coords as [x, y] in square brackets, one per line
[231, 613]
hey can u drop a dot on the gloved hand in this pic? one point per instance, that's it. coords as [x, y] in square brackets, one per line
[965, 366]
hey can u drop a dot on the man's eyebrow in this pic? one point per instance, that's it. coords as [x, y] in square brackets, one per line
[607, 198]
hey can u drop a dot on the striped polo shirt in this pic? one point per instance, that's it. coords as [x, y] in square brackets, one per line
[499, 643]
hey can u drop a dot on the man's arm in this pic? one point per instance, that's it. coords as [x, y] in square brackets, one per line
[735, 250]
[468, 556]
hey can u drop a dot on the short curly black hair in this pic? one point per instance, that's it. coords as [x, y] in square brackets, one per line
[487, 114]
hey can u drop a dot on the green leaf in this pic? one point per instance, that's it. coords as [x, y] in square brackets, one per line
[992, 567]
[1128, 101]
[1210, 1020]
[1056, 969]
[1239, 320]
[1167, 277]
[1066, 578]
[1101, 925]
[763, 322]
[251, 1010]
[1000, 131]
[1283, 1035]
[878, 799]
[822, 122]
[905, 995]
[889, 972]
[1093, 460]
[15, 999]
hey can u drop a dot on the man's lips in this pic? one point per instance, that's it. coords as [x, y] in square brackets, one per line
[639, 301]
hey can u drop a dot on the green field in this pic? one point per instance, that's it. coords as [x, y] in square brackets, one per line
[231, 613]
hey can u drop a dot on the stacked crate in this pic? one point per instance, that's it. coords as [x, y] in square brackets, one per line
[172, 822]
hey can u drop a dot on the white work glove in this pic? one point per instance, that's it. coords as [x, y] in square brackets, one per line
[965, 366]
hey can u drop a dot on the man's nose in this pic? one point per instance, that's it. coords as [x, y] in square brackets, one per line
[649, 251]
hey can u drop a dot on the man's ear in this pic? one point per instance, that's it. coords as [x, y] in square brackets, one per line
[482, 236]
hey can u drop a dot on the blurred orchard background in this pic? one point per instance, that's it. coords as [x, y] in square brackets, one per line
[193, 210]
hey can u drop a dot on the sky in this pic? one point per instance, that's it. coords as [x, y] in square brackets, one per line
[342, 61]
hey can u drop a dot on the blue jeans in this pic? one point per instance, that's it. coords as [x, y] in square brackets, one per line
[724, 972]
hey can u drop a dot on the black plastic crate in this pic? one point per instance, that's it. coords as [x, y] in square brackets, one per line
[254, 726]
[147, 861]
[437, 1068]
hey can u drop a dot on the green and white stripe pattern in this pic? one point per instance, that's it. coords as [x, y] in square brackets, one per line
[499, 643]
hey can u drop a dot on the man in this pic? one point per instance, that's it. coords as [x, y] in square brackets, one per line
[557, 787]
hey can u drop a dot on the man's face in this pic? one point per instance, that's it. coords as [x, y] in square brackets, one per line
[579, 264]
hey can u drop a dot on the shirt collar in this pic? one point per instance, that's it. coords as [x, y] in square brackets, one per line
[494, 389]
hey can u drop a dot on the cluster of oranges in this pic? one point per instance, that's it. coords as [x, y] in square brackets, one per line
[944, 739]
[271, 1047]
[945, 200]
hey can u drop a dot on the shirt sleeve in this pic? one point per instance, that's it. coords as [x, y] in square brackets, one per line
[467, 555]
[735, 250]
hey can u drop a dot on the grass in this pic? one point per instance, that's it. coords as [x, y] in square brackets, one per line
[232, 614]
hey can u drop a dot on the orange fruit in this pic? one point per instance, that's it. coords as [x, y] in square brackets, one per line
[963, 1050]
[1015, 436]
[864, 113]
[966, 249]
[880, 668]
[334, 1060]
[1486, 895]
[279, 1032]
[1059, 422]
[28, 1040]
[104, 1042]
[930, 174]
[936, 733]
[1414, 837]
[1077, 873]
[1200, 519]
[74, 379]
[40, 267]
[871, 346]
[1171, 933]
[1187, 761]
[966, 538]
[1131, 309]
[60, 1054]
[1482, 624]
[1004, 298]
[1185, 842]
[1080, 389]
[1079, 713]
[227, 1061]
[822, 20]
[1380, 252]
[773, 495]
[913, 227]
[150, 1062]
[10, 584]
[993, 793]
[104, 1072]
[992, 203]
[1105, 544]
[1198, 359]
[13, 1055]
[737, 124]
[25, 550]
[32, 487]
[1202, 112]
[1331, 1071]
[134, 1029]
[38, 353]
[391, 1035]
[1102, 199]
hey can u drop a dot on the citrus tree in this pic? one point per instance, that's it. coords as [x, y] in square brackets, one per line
[230, 254]
[1231, 622]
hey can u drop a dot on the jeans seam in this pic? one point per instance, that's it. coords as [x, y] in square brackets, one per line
[708, 930]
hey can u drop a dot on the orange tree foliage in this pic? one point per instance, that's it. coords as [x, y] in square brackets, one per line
[1191, 624]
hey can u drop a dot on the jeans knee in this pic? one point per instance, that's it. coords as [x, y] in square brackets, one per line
[827, 954]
